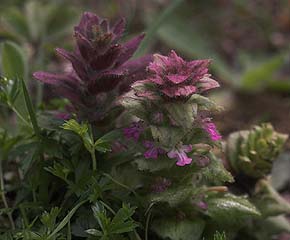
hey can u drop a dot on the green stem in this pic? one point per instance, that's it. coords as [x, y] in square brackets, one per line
[93, 155]
[3, 196]
[147, 225]
[123, 185]
[92, 151]
[23, 213]
[30, 110]
[19, 115]
[148, 213]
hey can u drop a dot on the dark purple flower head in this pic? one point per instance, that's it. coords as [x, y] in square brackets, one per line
[153, 151]
[97, 42]
[176, 77]
[180, 155]
[100, 65]
[134, 131]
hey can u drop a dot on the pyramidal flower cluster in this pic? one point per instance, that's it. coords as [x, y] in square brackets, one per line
[175, 116]
[177, 78]
[101, 67]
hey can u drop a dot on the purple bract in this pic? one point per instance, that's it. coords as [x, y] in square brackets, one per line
[100, 65]
[176, 77]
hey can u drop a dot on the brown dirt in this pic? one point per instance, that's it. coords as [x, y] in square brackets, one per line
[251, 109]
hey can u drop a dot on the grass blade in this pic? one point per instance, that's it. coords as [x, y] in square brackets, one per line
[30, 109]
[65, 221]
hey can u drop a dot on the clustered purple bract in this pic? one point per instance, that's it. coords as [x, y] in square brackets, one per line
[101, 64]
[176, 77]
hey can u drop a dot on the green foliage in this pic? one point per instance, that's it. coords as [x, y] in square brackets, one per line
[179, 229]
[258, 76]
[268, 200]
[109, 228]
[231, 210]
[39, 21]
[216, 172]
[253, 152]
[13, 61]
[219, 236]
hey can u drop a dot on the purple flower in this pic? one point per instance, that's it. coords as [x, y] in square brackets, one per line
[100, 65]
[180, 155]
[176, 77]
[202, 205]
[210, 128]
[134, 131]
[62, 115]
[160, 185]
[152, 151]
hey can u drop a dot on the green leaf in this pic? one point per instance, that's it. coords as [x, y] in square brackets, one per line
[62, 224]
[183, 114]
[268, 200]
[94, 232]
[82, 130]
[259, 76]
[231, 209]
[166, 136]
[103, 143]
[49, 218]
[13, 61]
[154, 165]
[59, 170]
[161, 19]
[35, 19]
[122, 221]
[204, 103]
[219, 236]
[215, 172]
[178, 229]
[173, 196]
[16, 23]
[30, 109]
[280, 176]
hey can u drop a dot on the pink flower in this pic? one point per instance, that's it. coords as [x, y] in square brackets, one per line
[180, 155]
[176, 77]
[202, 205]
[134, 131]
[152, 151]
[210, 128]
